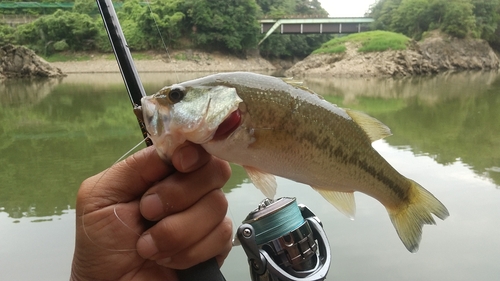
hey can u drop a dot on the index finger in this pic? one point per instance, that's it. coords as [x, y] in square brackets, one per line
[124, 181]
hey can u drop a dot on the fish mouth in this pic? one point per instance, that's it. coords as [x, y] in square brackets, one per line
[228, 126]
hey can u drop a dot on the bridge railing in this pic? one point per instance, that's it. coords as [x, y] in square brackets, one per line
[314, 25]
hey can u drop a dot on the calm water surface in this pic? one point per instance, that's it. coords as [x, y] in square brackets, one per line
[446, 136]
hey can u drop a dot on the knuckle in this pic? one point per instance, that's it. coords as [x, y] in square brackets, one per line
[172, 230]
[218, 201]
[219, 173]
[226, 229]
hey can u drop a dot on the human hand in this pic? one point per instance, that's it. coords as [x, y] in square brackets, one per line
[114, 241]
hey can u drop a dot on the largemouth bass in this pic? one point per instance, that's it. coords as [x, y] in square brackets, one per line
[271, 127]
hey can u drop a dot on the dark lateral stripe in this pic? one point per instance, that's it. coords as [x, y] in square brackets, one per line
[378, 174]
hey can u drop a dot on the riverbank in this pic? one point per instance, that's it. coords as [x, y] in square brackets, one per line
[436, 53]
[179, 61]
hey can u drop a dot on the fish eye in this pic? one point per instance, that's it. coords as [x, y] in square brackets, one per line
[175, 95]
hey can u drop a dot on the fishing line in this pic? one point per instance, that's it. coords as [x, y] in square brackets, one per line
[276, 223]
[130, 151]
[162, 40]
[114, 206]
[178, 81]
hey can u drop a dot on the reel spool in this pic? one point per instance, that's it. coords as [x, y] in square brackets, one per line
[284, 242]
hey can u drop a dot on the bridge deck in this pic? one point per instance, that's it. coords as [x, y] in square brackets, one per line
[313, 26]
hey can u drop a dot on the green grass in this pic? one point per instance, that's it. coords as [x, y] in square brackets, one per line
[68, 56]
[372, 41]
[141, 56]
[62, 57]
[180, 56]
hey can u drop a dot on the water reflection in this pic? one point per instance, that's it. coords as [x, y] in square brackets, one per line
[25, 91]
[55, 133]
[61, 131]
[428, 90]
[448, 117]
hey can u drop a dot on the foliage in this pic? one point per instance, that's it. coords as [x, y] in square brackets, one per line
[213, 25]
[61, 46]
[295, 45]
[372, 41]
[78, 30]
[224, 25]
[65, 56]
[85, 7]
[411, 17]
[6, 34]
[145, 26]
[459, 18]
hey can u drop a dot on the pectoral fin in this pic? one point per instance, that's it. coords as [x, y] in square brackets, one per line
[343, 201]
[373, 128]
[262, 180]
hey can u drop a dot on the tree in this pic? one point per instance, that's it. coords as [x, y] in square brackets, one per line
[224, 25]
[85, 7]
[294, 45]
[411, 18]
[382, 12]
[78, 30]
[459, 18]
[487, 17]
[6, 34]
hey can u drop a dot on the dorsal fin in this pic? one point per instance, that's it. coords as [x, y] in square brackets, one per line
[262, 180]
[373, 128]
[343, 201]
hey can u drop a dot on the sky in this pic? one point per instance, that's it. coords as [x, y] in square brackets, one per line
[346, 8]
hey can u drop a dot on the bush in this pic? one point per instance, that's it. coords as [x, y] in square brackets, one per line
[6, 34]
[60, 46]
[459, 18]
[223, 25]
[79, 31]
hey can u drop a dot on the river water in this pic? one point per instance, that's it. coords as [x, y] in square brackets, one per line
[446, 136]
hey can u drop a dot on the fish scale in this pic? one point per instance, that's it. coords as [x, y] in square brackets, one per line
[289, 131]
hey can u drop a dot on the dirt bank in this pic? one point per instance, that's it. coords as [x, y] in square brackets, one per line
[180, 61]
[437, 53]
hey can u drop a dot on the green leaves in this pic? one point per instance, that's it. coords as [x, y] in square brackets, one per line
[459, 18]
[224, 25]
[291, 45]
[78, 30]
[6, 34]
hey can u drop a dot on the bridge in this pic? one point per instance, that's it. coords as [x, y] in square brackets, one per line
[314, 26]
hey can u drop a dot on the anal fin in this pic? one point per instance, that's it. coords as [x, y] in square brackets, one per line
[343, 201]
[263, 181]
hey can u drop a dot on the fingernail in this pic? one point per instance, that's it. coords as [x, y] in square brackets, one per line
[151, 206]
[146, 246]
[164, 262]
[189, 157]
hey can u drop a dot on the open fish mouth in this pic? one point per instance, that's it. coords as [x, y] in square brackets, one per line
[229, 125]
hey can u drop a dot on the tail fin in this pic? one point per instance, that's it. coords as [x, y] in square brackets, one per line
[410, 219]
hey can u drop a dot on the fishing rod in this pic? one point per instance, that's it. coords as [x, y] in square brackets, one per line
[208, 270]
